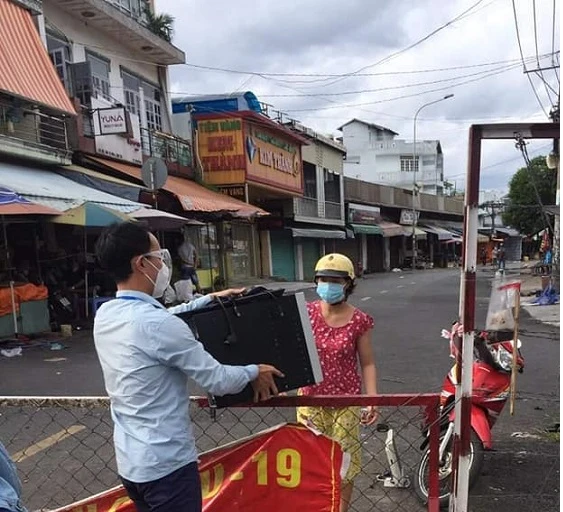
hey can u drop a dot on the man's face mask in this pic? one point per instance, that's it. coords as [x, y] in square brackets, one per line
[164, 274]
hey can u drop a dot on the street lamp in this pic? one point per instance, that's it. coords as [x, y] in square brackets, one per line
[414, 168]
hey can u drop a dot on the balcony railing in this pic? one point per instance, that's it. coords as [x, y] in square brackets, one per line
[312, 208]
[176, 152]
[33, 133]
[333, 210]
[306, 207]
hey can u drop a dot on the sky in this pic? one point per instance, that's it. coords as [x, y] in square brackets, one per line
[288, 54]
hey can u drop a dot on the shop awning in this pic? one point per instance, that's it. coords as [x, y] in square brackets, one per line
[508, 231]
[55, 191]
[26, 71]
[192, 196]
[100, 181]
[14, 204]
[441, 233]
[317, 233]
[391, 229]
[366, 229]
[418, 233]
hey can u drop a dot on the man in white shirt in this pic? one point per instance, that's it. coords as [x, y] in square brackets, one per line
[147, 355]
[188, 255]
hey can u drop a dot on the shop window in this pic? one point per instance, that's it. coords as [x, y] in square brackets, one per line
[310, 180]
[100, 76]
[408, 164]
[131, 93]
[332, 186]
[59, 52]
[153, 108]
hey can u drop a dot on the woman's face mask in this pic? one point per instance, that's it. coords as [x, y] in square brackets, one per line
[332, 293]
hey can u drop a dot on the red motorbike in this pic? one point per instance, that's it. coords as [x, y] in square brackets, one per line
[492, 369]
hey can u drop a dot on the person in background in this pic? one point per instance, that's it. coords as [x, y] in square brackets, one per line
[495, 256]
[343, 336]
[147, 354]
[10, 485]
[484, 256]
[501, 257]
[188, 255]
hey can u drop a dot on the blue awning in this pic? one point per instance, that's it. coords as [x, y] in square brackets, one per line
[49, 188]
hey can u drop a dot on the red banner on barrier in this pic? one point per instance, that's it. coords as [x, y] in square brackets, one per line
[261, 472]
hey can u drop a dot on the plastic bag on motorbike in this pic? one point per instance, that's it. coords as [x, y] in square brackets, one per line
[500, 316]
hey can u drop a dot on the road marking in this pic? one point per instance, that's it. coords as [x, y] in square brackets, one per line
[401, 286]
[383, 291]
[365, 298]
[412, 282]
[46, 443]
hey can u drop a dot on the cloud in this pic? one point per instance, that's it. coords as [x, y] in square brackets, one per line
[331, 36]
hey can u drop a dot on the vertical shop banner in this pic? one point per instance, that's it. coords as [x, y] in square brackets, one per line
[286, 467]
[221, 151]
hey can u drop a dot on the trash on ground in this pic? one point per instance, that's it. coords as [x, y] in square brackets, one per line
[55, 359]
[548, 297]
[11, 352]
[56, 346]
[524, 435]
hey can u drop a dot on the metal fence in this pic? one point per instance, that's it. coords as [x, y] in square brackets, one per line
[64, 452]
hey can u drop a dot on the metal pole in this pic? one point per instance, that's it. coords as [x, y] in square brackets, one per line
[414, 169]
[464, 362]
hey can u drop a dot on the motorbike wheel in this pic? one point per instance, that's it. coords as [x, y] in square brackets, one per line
[445, 471]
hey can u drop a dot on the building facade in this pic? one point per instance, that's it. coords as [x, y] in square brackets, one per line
[287, 169]
[375, 155]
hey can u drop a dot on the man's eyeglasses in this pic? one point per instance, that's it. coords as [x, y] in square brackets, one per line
[162, 254]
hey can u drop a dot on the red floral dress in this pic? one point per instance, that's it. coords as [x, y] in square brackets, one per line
[338, 354]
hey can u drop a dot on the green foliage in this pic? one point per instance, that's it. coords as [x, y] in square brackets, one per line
[160, 24]
[523, 212]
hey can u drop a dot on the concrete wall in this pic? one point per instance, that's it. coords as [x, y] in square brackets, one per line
[358, 191]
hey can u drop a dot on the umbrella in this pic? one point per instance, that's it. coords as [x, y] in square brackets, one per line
[158, 220]
[12, 203]
[90, 215]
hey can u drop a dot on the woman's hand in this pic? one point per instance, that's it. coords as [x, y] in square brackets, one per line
[369, 415]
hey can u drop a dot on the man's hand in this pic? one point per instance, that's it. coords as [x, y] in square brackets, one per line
[228, 293]
[264, 385]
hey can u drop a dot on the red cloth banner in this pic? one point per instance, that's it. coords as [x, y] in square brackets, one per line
[261, 472]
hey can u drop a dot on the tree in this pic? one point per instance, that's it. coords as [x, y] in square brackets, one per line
[160, 24]
[523, 211]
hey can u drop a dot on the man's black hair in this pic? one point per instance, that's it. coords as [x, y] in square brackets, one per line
[118, 244]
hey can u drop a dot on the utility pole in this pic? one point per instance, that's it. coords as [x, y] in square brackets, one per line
[554, 114]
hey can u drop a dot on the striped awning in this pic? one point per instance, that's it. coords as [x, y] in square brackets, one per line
[192, 196]
[366, 229]
[391, 229]
[26, 70]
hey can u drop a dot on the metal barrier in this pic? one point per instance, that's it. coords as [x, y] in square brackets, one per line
[63, 447]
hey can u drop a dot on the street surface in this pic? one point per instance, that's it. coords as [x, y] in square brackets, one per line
[409, 310]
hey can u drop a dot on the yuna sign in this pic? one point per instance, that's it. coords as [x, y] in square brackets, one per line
[113, 121]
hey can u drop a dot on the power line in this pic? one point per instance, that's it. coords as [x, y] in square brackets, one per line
[522, 57]
[540, 72]
[409, 47]
[553, 35]
[393, 87]
[496, 164]
[340, 75]
[503, 70]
